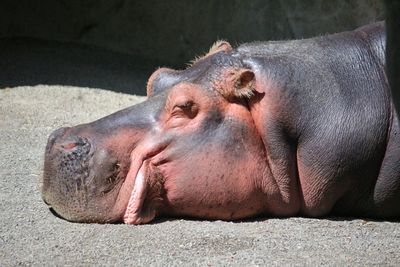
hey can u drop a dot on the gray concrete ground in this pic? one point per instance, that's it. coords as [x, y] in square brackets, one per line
[30, 235]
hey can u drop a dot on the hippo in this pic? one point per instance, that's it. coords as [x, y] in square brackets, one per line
[273, 129]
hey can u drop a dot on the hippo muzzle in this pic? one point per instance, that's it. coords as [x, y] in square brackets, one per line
[80, 176]
[86, 166]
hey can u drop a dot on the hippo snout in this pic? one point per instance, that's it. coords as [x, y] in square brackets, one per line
[67, 156]
[66, 160]
[67, 149]
[80, 171]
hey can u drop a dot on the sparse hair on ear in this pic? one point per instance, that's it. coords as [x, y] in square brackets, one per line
[218, 46]
[244, 87]
[236, 83]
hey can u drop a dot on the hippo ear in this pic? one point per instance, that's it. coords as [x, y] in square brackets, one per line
[161, 79]
[219, 46]
[236, 83]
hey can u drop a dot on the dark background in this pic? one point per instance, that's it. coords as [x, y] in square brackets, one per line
[117, 44]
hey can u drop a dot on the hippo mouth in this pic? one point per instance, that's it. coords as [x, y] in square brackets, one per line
[137, 177]
[142, 173]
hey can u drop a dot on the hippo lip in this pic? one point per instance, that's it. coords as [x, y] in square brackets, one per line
[137, 196]
[135, 185]
[134, 211]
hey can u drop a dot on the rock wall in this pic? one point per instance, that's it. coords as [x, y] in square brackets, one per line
[173, 32]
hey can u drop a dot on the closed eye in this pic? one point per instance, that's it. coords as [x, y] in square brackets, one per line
[186, 105]
[188, 109]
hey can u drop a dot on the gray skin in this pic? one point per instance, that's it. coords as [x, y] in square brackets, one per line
[322, 124]
[341, 122]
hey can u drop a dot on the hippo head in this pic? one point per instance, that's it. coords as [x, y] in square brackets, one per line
[191, 149]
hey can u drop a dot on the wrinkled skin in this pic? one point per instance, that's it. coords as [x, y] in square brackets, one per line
[278, 128]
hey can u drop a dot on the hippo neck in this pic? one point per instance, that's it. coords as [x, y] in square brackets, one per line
[309, 87]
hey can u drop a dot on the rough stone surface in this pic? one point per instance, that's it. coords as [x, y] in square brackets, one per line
[117, 44]
[31, 236]
[174, 31]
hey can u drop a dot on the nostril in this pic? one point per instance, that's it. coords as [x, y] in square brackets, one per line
[74, 143]
[69, 145]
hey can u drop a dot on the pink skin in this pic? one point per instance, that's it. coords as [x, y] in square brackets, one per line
[221, 186]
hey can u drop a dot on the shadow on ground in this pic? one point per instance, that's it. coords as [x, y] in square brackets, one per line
[27, 61]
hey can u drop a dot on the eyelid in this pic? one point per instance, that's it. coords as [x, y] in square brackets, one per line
[185, 105]
[186, 109]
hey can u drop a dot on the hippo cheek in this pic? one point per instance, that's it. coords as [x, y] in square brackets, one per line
[214, 184]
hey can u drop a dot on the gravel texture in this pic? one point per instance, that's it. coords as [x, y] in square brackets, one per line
[31, 235]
